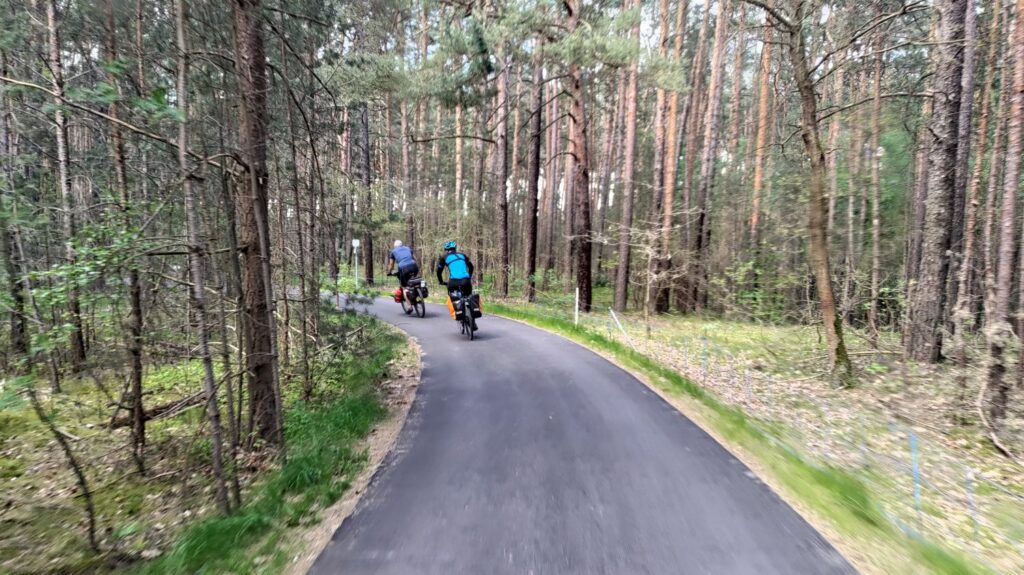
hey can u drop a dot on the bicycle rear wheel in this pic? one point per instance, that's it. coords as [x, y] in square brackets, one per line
[421, 307]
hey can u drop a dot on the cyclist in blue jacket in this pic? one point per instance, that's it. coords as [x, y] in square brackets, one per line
[407, 266]
[460, 270]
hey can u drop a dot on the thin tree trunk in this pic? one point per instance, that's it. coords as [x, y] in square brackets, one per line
[553, 156]
[671, 163]
[196, 252]
[962, 316]
[876, 198]
[307, 382]
[817, 205]
[663, 200]
[628, 166]
[500, 184]
[68, 207]
[15, 282]
[533, 171]
[737, 85]
[761, 140]
[702, 232]
[963, 153]
[1000, 333]
[134, 289]
[996, 163]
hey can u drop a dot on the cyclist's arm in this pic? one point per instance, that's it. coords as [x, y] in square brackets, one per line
[469, 266]
[440, 270]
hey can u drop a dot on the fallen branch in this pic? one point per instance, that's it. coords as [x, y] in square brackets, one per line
[161, 411]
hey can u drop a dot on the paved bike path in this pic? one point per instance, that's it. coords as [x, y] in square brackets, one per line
[525, 453]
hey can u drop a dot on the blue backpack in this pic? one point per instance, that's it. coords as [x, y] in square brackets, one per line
[456, 264]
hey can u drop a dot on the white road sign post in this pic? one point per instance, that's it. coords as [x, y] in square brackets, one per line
[355, 258]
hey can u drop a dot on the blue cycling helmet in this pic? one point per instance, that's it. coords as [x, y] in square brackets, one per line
[450, 245]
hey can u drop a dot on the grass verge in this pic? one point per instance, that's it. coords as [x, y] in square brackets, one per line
[324, 444]
[837, 502]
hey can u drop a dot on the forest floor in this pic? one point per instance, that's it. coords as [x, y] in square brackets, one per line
[909, 433]
[165, 521]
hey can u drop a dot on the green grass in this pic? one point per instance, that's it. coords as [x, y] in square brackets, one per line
[829, 492]
[323, 439]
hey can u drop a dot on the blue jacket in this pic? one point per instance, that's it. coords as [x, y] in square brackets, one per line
[458, 264]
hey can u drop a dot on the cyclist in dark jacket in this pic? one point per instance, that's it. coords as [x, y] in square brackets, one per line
[406, 262]
[460, 270]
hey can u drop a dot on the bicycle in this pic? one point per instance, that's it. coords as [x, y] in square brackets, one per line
[414, 294]
[467, 322]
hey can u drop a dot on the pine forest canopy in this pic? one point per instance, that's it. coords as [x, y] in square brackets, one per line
[190, 173]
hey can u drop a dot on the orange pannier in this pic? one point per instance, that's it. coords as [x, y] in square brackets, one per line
[451, 307]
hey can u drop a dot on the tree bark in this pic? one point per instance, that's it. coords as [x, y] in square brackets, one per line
[876, 198]
[581, 175]
[817, 203]
[135, 325]
[963, 153]
[68, 207]
[1000, 333]
[628, 166]
[500, 181]
[702, 232]
[761, 140]
[261, 356]
[533, 170]
[196, 253]
[924, 332]
[15, 282]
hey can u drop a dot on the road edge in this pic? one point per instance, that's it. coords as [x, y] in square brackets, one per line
[381, 441]
[697, 413]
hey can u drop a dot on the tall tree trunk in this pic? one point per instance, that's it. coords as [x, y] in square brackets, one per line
[196, 252]
[663, 200]
[671, 163]
[15, 282]
[702, 232]
[963, 153]
[251, 73]
[926, 307]
[737, 86]
[692, 125]
[996, 163]
[761, 141]
[1000, 333]
[962, 317]
[817, 203]
[500, 185]
[581, 162]
[854, 183]
[876, 198]
[307, 382]
[553, 156]
[832, 152]
[628, 166]
[68, 207]
[134, 289]
[533, 170]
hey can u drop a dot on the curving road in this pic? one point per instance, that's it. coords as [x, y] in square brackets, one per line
[525, 453]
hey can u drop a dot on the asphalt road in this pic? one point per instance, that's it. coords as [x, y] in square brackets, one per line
[525, 453]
